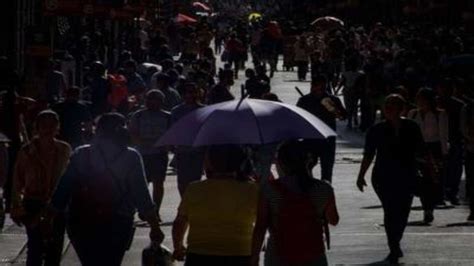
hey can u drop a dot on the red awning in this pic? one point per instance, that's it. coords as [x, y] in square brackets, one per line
[202, 6]
[184, 19]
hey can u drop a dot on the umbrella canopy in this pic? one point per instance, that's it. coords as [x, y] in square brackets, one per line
[245, 122]
[202, 6]
[184, 19]
[327, 23]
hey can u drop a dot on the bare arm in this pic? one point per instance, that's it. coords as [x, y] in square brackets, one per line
[366, 162]
[261, 227]
[180, 226]
[331, 213]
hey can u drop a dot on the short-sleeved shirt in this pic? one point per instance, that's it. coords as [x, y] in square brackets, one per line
[313, 104]
[150, 126]
[221, 215]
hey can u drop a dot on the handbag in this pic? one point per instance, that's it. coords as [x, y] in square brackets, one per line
[157, 255]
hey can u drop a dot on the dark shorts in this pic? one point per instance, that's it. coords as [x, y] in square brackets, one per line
[156, 166]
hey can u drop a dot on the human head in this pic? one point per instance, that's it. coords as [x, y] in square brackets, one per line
[191, 93]
[113, 126]
[167, 64]
[293, 162]
[162, 81]
[260, 70]
[73, 94]
[318, 85]
[250, 73]
[426, 99]
[394, 106]
[224, 159]
[98, 69]
[271, 97]
[130, 67]
[47, 124]
[154, 100]
[445, 88]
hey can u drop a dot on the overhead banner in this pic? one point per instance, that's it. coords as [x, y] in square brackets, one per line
[114, 9]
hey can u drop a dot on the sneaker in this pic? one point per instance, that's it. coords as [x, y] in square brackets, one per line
[428, 217]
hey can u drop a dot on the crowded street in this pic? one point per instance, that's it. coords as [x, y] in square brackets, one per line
[237, 133]
[359, 239]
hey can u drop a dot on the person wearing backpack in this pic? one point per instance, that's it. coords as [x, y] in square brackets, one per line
[102, 187]
[435, 130]
[295, 209]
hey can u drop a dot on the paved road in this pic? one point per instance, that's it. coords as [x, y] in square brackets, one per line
[358, 240]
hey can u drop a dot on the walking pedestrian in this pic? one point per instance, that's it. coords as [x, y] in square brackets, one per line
[301, 52]
[146, 127]
[467, 126]
[4, 161]
[396, 143]
[452, 106]
[73, 116]
[434, 128]
[172, 98]
[221, 91]
[294, 209]
[220, 213]
[103, 186]
[235, 49]
[99, 89]
[189, 160]
[328, 108]
[38, 168]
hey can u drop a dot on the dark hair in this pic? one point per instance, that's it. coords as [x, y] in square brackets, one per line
[112, 126]
[430, 96]
[155, 94]
[46, 115]
[294, 157]
[228, 159]
[319, 79]
[74, 91]
[131, 64]
[397, 99]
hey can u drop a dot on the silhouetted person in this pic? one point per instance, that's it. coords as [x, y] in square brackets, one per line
[397, 143]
